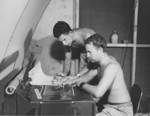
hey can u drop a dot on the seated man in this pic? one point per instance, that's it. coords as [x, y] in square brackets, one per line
[73, 38]
[111, 81]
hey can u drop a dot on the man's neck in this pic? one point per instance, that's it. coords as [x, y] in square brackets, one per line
[105, 60]
[77, 39]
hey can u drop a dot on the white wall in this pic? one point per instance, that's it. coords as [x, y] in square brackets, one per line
[18, 21]
[56, 11]
[10, 12]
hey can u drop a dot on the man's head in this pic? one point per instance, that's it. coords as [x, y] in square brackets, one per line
[62, 31]
[95, 46]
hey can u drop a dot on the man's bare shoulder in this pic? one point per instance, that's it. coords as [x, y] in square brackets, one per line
[84, 30]
[111, 66]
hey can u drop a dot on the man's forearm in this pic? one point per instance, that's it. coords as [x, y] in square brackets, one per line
[88, 76]
[82, 72]
[66, 67]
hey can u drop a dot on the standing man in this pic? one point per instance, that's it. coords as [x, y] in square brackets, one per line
[111, 82]
[73, 38]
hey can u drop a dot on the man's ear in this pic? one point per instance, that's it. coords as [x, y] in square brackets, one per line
[100, 48]
[70, 32]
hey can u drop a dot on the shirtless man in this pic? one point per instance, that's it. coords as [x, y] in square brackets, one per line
[73, 38]
[112, 80]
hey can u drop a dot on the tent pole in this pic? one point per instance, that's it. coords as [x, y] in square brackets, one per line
[135, 25]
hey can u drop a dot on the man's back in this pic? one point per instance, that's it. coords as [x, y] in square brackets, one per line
[84, 32]
[118, 90]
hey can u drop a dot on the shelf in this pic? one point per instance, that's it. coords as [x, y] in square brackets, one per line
[120, 45]
[143, 45]
[128, 45]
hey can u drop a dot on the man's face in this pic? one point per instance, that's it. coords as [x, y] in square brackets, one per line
[92, 52]
[65, 39]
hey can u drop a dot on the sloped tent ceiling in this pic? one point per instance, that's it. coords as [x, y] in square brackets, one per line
[18, 21]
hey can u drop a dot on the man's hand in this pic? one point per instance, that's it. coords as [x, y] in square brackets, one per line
[96, 99]
[61, 74]
[78, 83]
[69, 80]
[57, 80]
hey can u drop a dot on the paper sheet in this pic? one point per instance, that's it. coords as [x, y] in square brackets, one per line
[38, 77]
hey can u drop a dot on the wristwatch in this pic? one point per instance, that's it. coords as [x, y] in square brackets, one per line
[78, 75]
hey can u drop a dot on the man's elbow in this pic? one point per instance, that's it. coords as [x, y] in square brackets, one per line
[97, 94]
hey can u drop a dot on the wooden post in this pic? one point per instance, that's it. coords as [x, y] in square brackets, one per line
[135, 24]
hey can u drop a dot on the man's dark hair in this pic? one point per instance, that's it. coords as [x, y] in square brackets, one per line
[97, 40]
[61, 27]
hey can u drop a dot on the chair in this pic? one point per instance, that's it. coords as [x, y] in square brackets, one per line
[136, 95]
